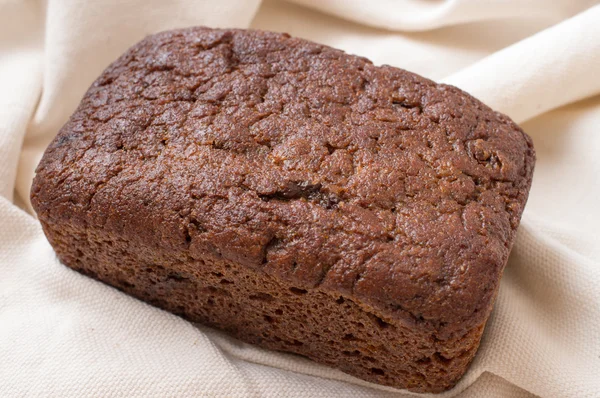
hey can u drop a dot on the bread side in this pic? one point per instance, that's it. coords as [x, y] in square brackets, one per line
[289, 193]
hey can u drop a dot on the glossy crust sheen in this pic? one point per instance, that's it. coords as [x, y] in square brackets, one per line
[296, 196]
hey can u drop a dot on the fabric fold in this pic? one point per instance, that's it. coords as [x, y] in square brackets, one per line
[545, 71]
[421, 15]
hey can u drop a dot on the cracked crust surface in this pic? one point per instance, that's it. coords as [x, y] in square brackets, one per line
[304, 167]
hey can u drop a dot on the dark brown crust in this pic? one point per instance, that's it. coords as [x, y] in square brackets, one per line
[296, 164]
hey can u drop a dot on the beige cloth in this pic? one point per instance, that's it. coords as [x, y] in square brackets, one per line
[64, 335]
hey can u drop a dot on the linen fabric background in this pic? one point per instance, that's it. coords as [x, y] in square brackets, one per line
[65, 335]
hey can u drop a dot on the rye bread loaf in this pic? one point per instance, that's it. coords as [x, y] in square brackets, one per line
[293, 196]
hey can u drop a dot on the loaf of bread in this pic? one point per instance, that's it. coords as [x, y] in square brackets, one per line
[294, 196]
